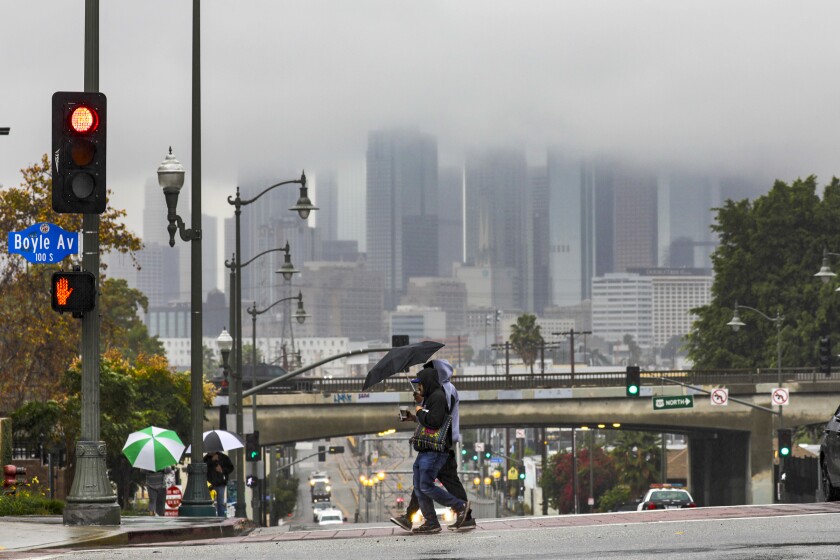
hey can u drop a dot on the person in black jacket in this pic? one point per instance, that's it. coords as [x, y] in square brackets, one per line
[431, 413]
[219, 466]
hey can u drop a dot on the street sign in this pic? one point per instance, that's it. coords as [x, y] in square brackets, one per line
[668, 403]
[719, 397]
[173, 501]
[43, 243]
[520, 433]
[496, 460]
[780, 396]
[479, 446]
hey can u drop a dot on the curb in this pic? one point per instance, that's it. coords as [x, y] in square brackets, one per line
[138, 536]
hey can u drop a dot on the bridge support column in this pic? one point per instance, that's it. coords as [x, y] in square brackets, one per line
[733, 467]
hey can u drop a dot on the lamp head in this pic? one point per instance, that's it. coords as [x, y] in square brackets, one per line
[170, 174]
[225, 343]
[300, 313]
[303, 206]
[288, 269]
[736, 322]
[825, 274]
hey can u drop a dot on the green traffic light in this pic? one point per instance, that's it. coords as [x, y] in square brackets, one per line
[784, 451]
[633, 389]
[475, 457]
[487, 455]
[463, 452]
[522, 476]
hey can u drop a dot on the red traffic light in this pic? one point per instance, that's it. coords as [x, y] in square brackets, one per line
[83, 119]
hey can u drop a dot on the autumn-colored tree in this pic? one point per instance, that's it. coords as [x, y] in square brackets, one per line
[557, 483]
[526, 339]
[38, 345]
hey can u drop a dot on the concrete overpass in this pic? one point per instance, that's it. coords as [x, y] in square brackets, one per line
[730, 447]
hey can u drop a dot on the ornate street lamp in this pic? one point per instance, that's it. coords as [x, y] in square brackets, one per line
[225, 343]
[197, 502]
[303, 207]
[826, 274]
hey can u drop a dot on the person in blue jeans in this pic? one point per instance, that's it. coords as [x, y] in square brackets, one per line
[431, 413]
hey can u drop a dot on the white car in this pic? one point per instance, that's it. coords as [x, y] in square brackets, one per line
[666, 496]
[330, 517]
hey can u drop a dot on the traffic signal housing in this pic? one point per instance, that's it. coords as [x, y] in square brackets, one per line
[73, 291]
[322, 453]
[825, 355]
[252, 447]
[633, 381]
[335, 449]
[785, 442]
[79, 122]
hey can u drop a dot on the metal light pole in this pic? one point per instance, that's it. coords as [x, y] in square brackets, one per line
[225, 343]
[736, 324]
[91, 500]
[303, 207]
[197, 502]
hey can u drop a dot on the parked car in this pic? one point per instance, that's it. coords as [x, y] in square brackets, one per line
[830, 459]
[444, 515]
[666, 496]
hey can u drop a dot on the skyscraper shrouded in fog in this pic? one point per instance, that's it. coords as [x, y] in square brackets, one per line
[498, 223]
[402, 222]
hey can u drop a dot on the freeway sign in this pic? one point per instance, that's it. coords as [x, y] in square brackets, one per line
[43, 243]
[668, 403]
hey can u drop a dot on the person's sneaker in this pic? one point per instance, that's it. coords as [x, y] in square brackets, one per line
[462, 515]
[426, 528]
[402, 521]
[467, 525]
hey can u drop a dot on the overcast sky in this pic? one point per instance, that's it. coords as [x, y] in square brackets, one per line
[720, 86]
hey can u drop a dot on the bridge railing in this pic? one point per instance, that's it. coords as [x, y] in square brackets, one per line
[558, 380]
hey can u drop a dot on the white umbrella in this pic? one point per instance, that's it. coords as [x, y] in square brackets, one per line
[219, 440]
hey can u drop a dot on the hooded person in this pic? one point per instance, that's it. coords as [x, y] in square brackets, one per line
[432, 413]
[448, 474]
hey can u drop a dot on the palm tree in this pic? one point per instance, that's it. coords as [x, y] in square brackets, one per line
[525, 338]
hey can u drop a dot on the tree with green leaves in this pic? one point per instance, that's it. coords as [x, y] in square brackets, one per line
[557, 483]
[133, 395]
[526, 339]
[637, 458]
[770, 248]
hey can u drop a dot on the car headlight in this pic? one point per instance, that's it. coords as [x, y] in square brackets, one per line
[327, 488]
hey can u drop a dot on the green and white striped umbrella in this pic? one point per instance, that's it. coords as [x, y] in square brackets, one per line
[153, 448]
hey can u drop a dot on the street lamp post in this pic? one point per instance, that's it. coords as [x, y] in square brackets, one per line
[736, 323]
[300, 315]
[225, 343]
[197, 502]
[303, 207]
[235, 266]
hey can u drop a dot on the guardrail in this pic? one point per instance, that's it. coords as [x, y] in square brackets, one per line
[557, 380]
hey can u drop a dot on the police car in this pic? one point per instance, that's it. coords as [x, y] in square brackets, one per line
[666, 496]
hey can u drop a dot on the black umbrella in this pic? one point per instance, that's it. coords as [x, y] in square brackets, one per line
[399, 359]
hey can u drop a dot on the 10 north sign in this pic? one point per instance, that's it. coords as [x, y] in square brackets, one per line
[43, 243]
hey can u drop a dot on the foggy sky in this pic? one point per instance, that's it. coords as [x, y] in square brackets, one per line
[718, 86]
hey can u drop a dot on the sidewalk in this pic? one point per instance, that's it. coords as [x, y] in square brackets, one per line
[37, 532]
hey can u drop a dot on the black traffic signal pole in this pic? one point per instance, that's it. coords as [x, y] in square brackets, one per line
[91, 500]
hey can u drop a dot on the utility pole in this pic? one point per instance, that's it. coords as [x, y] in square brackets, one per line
[571, 334]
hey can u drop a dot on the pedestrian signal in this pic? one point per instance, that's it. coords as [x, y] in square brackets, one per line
[73, 292]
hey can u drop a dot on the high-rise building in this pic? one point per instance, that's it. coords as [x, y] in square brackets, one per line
[570, 188]
[402, 226]
[498, 222]
[447, 294]
[635, 218]
[622, 304]
[450, 219]
[541, 211]
[344, 300]
[326, 199]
